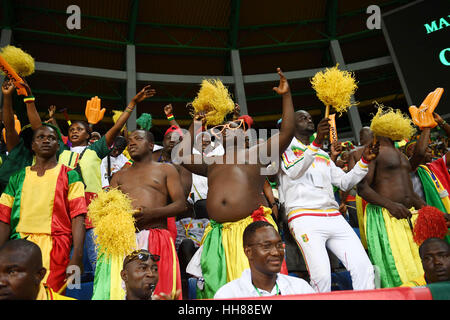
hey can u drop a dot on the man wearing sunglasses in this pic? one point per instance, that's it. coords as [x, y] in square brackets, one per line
[140, 275]
[265, 252]
[235, 191]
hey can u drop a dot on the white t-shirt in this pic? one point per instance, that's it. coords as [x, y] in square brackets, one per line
[244, 288]
[116, 165]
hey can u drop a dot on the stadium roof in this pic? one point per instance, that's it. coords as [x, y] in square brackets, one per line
[196, 38]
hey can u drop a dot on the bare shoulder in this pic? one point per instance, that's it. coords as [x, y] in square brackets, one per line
[167, 167]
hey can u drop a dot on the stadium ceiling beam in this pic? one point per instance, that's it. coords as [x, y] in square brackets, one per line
[331, 18]
[108, 74]
[351, 36]
[133, 20]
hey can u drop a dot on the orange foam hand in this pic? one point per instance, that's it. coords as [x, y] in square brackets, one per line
[423, 116]
[13, 76]
[93, 112]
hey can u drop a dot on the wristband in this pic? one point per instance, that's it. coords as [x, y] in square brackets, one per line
[443, 122]
[364, 160]
[129, 110]
[170, 117]
[29, 99]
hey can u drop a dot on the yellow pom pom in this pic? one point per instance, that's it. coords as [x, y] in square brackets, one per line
[334, 88]
[116, 115]
[19, 60]
[215, 99]
[111, 214]
[392, 123]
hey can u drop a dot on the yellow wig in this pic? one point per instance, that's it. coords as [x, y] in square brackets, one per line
[19, 60]
[334, 88]
[392, 123]
[214, 99]
[111, 213]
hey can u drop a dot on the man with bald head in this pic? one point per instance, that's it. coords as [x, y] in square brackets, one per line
[156, 191]
[22, 272]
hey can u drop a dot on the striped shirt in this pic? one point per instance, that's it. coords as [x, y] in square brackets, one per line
[44, 205]
[307, 179]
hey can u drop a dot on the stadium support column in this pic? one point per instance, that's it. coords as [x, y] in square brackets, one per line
[131, 84]
[239, 90]
[353, 114]
[5, 39]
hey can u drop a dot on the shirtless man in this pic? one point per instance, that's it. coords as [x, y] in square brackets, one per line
[172, 137]
[389, 192]
[150, 185]
[235, 193]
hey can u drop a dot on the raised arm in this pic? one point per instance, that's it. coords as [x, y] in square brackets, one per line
[168, 110]
[12, 137]
[192, 162]
[442, 124]
[420, 149]
[287, 124]
[112, 133]
[33, 115]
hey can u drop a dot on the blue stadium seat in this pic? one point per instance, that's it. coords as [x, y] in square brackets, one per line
[192, 288]
[85, 293]
[341, 281]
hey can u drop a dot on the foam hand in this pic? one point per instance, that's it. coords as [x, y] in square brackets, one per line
[423, 116]
[93, 112]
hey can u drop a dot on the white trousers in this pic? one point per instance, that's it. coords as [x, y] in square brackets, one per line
[315, 234]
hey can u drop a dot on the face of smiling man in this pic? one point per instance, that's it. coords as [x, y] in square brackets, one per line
[265, 250]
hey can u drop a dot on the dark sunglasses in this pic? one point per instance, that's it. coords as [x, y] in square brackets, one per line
[141, 255]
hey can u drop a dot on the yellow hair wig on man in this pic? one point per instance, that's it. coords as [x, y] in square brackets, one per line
[215, 100]
[392, 123]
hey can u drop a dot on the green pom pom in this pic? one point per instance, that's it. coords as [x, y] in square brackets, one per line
[145, 121]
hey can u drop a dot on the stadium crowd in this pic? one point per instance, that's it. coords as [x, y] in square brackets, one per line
[217, 206]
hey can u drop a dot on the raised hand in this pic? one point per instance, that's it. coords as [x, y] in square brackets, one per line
[93, 112]
[145, 93]
[323, 129]
[168, 109]
[51, 111]
[371, 151]
[283, 86]
[8, 87]
[237, 110]
[423, 116]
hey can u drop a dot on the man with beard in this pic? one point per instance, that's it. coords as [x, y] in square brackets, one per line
[156, 191]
